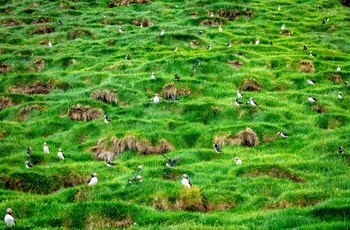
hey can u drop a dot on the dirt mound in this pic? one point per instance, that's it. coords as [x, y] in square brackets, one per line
[235, 64]
[4, 68]
[41, 21]
[36, 88]
[194, 43]
[169, 91]
[126, 2]
[79, 33]
[11, 22]
[144, 21]
[276, 173]
[43, 30]
[335, 78]
[84, 113]
[110, 149]
[5, 102]
[39, 65]
[307, 67]
[105, 96]
[250, 84]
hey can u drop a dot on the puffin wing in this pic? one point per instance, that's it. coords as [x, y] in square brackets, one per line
[176, 160]
[164, 156]
[89, 180]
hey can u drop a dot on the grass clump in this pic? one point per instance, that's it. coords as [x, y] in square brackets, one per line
[105, 96]
[84, 113]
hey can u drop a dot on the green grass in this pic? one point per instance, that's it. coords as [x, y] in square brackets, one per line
[300, 182]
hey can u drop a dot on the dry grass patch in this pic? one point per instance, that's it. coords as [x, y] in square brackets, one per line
[169, 91]
[84, 113]
[245, 138]
[231, 15]
[194, 43]
[247, 13]
[39, 65]
[36, 88]
[235, 64]
[319, 108]
[110, 149]
[41, 21]
[105, 96]
[79, 33]
[335, 78]
[43, 30]
[126, 2]
[193, 14]
[307, 67]
[5, 102]
[211, 22]
[11, 22]
[99, 222]
[190, 200]
[4, 68]
[144, 21]
[276, 173]
[270, 138]
[24, 112]
[250, 84]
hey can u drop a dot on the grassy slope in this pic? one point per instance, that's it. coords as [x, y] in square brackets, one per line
[261, 202]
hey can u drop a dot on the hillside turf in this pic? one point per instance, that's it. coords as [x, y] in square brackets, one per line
[298, 182]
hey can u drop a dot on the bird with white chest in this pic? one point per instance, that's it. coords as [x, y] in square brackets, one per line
[338, 68]
[9, 220]
[93, 180]
[46, 148]
[238, 161]
[60, 154]
[156, 98]
[257, 41]
[185, 182]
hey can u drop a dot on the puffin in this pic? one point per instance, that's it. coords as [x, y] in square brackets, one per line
[46, 148]
[28, 165]
[60, 154]
[171, 163]
[185, 182]
[346, 83]
[324, 21]
[9, 220]
[121, 30]
[283, 134]
[338, 68]
[93, 180]
[217, 148]
[175, 49]
[312, 54]
[340, 95]
[153, 76]
[109, 163]
[271, 43]
[220, 29]
[238, 161]
[176, 77]
[239, 94]
[283, 27]
[162, 33]
[139, 178]
[237, 102]
[252, 102]
[200, 33]
[305, 48]
[290, 35]
[311, 82]
[340, 150]
[174, 98]
[156, 98]
[197, 63]
[107, 120]
[128, 58]
[228, 45]
[311, 99]
[50, 43]
[29, 151]
[278, 7]
[319, 7]
[209, 47]
[59, 21]
[257, 41]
